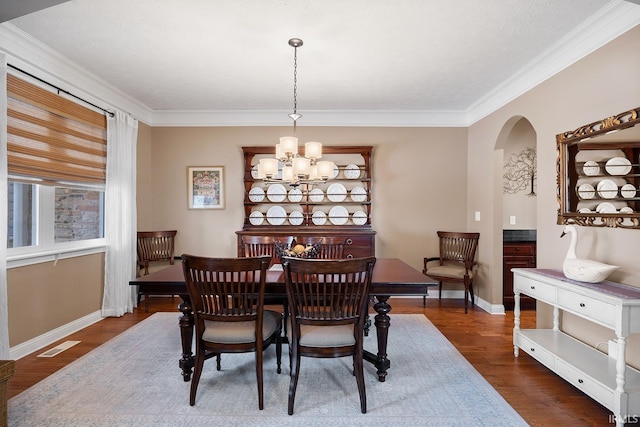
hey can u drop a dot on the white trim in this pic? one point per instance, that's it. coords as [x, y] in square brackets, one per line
[609, 23]
[35, 57]
[459, 294]
[52, 255]
[354, 118]
[54, 335]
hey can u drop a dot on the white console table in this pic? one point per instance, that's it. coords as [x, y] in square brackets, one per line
[609, 381]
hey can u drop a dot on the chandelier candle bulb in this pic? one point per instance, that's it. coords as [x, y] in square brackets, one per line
[269, 167]
[313, 150]
[314, 175]
[287, 173]
[325, 169]
[289, 145]
[301, 166]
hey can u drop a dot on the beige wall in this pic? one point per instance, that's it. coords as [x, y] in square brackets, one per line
[419, 183]
[426, 179]
[46, 296]
[602, 84]
[143, 178]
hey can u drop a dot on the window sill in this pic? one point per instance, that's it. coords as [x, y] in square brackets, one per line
[54, 254]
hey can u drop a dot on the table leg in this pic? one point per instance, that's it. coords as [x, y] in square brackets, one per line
[186, 334]
[382, 322]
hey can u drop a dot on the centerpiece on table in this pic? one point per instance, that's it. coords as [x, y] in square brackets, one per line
[297, 250]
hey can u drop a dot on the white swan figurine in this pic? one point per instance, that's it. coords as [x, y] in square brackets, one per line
[580, 269]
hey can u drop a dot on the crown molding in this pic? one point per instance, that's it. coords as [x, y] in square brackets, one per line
[27, 53]
[33, 56]
[598, 30]
[344, 118]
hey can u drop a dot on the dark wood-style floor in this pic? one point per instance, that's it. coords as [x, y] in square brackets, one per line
[538, 395]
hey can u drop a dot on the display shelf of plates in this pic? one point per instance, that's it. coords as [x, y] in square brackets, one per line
[607, 182]
[342, 201]
[598, 170]
[602, 183]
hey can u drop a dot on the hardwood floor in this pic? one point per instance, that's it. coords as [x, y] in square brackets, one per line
[538, 395]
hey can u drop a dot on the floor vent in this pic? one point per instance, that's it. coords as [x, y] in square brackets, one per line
[58, 349]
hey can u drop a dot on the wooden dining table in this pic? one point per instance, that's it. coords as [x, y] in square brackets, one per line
[391, 277]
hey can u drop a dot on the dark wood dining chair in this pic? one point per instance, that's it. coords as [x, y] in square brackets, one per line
[456, 262]
[156, 251]
[227, 297]
[330, 247]
[328, 302]
[263, 245]
[253, 246]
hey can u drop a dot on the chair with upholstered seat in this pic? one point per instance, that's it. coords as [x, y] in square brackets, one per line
[456, 262]
[328, 302]
[227, 297]
[155, 251]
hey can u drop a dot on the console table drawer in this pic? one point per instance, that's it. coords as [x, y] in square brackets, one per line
[538, 290]
[586, 307]
[585, 383]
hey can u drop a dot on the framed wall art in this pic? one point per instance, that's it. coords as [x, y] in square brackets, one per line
[205, 187]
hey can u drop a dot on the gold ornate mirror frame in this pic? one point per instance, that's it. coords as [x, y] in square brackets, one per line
[597, 166]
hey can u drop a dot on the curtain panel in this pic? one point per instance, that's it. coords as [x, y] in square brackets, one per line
[4, 307]
[120, 215]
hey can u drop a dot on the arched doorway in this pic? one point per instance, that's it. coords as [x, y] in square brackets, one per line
[515, 192]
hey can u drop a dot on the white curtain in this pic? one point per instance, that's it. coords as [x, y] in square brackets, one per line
[4, 307]
[120, 215]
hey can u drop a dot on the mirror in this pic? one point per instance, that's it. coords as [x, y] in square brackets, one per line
[599, 173]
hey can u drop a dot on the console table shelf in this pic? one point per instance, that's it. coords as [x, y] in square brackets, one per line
[608, 380]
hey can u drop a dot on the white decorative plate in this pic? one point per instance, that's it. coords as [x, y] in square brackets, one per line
[338, 215]
[296, 218]
[591, 168]
[628, 191]
[358, 194]
[618, 166]
[254, 172]
[359, 218]
[336, 171]
[352, 171]
[276, 215]
[256, 218]
[585, 210]
[276, 193]
[319, 218]
[256, 194]
[586, 191]
[607, 189]
[295, 195]
[605, 207]
[626, 209]
[336, 192]
[316, 195]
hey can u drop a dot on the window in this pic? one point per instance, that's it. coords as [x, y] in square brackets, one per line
[56, 152]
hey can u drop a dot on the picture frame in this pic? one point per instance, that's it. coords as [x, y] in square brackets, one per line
[205, 187]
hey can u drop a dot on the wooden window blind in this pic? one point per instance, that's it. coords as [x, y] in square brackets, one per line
[52, 139]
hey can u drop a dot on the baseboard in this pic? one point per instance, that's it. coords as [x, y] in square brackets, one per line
[459, 294]
[54, 335]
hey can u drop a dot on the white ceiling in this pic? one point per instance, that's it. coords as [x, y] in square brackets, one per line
[367, 58]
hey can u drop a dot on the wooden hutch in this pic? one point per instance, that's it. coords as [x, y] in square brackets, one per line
[339, 207]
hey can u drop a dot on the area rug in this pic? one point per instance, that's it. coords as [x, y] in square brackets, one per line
[134, 380]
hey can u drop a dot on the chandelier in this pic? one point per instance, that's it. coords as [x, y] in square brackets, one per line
[288, 165]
